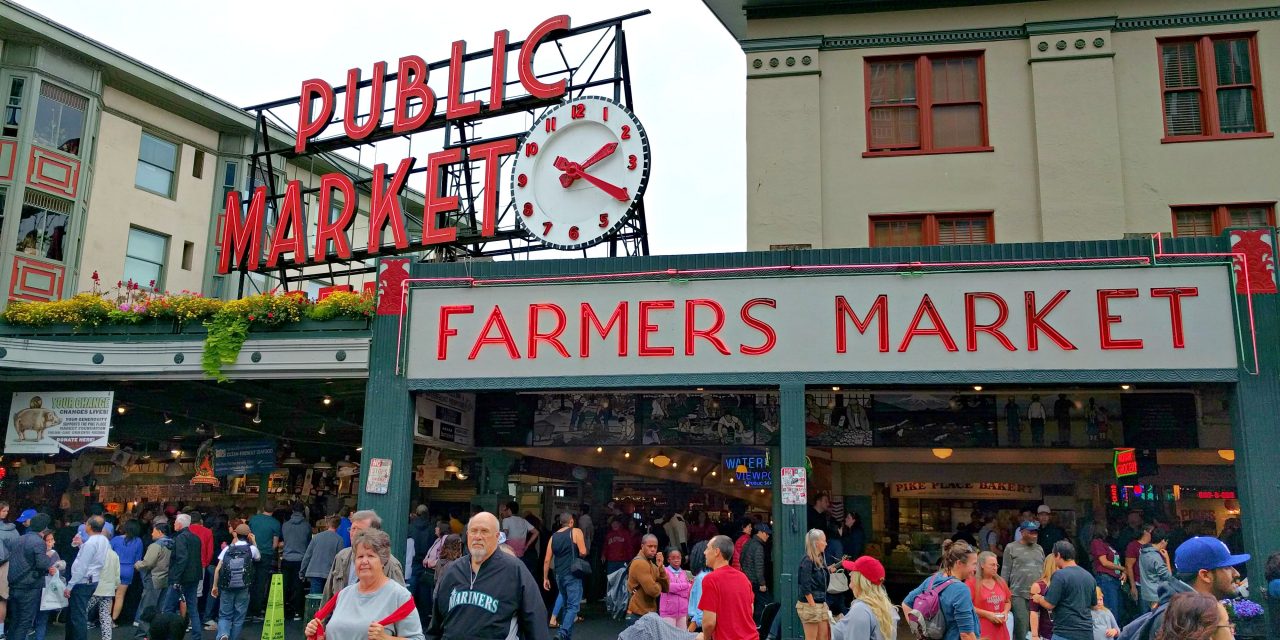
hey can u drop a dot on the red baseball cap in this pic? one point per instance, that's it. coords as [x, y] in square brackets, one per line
[869, 567]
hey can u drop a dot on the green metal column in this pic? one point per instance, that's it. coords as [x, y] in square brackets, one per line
[492, 487]
[789, 524]
[1254, 407]
[388, 432]
[600, 483]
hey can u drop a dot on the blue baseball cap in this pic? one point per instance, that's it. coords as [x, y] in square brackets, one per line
[26, 515]
[1205, 553]
[1030, 525]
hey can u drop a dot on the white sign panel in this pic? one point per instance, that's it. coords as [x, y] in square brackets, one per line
[43, 422]
[1117, 318]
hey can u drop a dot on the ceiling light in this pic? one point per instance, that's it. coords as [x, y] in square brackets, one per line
[292, 461]
[626, 454]
[599, 449]
[248, 404]
[257, 417]
[322, 430]
[762, 491]
[714, 473]
[1125, 387]
[176, 452]
[650, 459]
[674, 464]
[460, 475]
[699, 388]
[327, 401]
[942, 453]
[216, 435]
[835, 388]
[1227, 454]
[695, 468]
[323, 464]
[450, 466]
[360, 448]
[741, 468]
[731, 480]
[174, 470]
[977, 387]
[120, 409]
[167, 419]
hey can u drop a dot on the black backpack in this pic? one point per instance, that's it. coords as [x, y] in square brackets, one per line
[1144, 627]
[237, 567]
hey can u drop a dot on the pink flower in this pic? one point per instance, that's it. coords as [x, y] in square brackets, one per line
[95, 277]
[270, 314]
[124, 306]
[119, 283]
[251, 318]
[153, 284]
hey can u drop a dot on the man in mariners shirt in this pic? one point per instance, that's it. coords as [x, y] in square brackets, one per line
[484, 595]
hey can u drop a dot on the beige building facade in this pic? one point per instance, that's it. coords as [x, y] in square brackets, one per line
[1006, 122]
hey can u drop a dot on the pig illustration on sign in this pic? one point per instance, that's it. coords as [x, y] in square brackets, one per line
[35, 418]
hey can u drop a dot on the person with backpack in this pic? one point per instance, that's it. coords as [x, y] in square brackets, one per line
[1203, 564]
[232, 579]
[942, 606]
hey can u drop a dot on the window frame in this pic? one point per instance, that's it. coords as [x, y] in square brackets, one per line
[164, 258]
[929, 228]
[34, 106]
[924, 102]
[1208, 88]
[1221, 217]
[173, 173]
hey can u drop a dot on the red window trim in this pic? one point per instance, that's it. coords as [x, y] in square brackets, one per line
[1208, 87]
[924, 102]
[929, 230]
[1221, 213]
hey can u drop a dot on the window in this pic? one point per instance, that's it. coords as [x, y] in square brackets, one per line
[13, 107]
[188, 255]
[4, 192]
[1212, 220]
[926, 104]
[144, 259]
[932, 228]
[228, 181]
[42, 227]
[1210, 87]
[157, 164]
[60, 119]
[197, 167]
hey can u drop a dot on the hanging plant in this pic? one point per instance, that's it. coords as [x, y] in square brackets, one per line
[229, 327]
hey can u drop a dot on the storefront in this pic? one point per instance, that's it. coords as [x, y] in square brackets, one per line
[794, 328]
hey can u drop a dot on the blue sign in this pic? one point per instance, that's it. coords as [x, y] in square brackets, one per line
[756, 465]
[241, 458]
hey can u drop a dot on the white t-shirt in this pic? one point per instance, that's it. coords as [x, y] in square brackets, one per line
[517, 529]
[257, 555]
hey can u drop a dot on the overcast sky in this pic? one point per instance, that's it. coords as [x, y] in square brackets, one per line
[687, 74]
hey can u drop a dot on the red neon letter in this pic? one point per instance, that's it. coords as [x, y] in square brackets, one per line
[590, 320]
[491, 153]
[1106, 319]
[498, 79]
[454, 107]
[1175, 295]
[289, 236]
[553, 337]
[360, 132]
[503, 338]
[335, 230]
[879, 308]
[442, 341]
[691, 319]
[310, 124]
[972, 328]
[770, 336]
[528, 78]
[939, 328]
[436, 203]
[384, 206]
[241, 236]
[645, 350]
[411, 84]
[1036, 323]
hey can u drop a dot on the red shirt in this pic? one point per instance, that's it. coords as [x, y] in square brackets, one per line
[737, 552]
[617, 546]
[206, 543]
[727, 593]
[1133, 551]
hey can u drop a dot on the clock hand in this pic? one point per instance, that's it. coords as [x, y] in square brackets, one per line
[603, 153]
[618, 193]
[567, 178]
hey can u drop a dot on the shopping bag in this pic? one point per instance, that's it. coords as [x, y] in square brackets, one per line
[52, 598]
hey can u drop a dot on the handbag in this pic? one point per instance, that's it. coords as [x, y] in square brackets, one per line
[581, 569]
[838, 582]
[52, 598]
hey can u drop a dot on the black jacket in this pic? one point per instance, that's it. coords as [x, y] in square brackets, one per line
[482, 610]
[811, 579]
[184, 564]
[423, 532]
[753, 562]
[28, 562]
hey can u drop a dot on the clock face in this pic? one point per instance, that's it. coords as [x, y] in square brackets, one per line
[580, 172]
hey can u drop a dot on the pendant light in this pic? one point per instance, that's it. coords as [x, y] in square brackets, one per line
[323, 464]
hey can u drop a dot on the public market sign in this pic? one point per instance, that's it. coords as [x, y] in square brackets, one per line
[45, 421]
[965, 490]
[1089, 319]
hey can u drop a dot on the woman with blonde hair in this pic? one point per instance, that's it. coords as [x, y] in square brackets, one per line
[991, 598]
[812, 580]
[1041, 625]
[872, 616]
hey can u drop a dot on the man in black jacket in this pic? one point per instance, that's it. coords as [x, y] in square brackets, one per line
[185, 572]
[423, 533]
[480, 594]
[753, 566]
[28, 565]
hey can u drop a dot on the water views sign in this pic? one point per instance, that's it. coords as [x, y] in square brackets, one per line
[1099, 319]
[756, 466]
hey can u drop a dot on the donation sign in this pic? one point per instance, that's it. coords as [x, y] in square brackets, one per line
[243, 458]
[43, 422]
[1082, 319]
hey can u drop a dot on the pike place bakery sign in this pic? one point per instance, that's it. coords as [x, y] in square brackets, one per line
[1095, 319]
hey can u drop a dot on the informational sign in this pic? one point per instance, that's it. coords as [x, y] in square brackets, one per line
[751, 469]
[446, 417]
[1117, 319]
[379, 476]
[1126, 462]
[795, 486]
[243, 458]
[45, 421]
[965, 490]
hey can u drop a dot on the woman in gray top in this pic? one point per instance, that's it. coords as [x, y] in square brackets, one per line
[373, 608]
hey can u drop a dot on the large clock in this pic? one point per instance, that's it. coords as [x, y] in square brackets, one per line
[580, 172]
